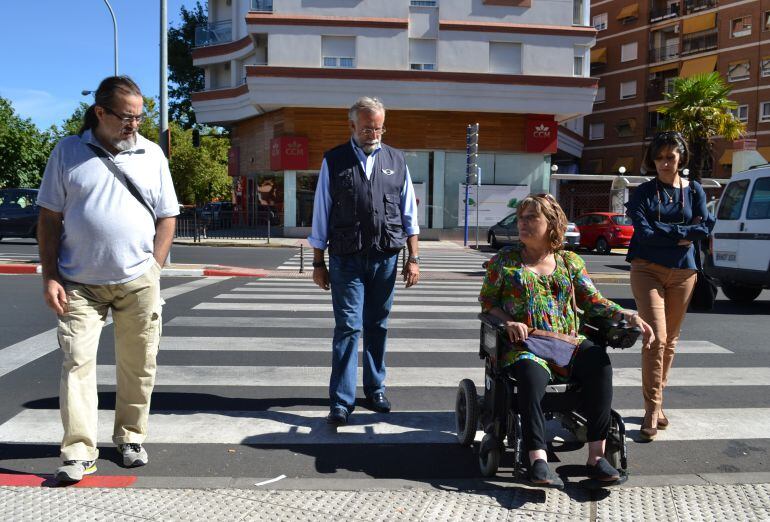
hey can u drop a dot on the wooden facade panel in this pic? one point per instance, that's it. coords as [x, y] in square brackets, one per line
[411, 130]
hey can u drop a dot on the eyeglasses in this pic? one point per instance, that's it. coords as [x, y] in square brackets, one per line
[126, 120]
[366, 131]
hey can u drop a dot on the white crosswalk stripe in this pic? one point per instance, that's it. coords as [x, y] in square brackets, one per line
[461, 261]
[275, 316]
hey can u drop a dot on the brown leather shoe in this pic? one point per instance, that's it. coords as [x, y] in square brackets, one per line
[649, 426]
[662, 421]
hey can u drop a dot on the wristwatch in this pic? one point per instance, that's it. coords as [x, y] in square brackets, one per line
[319, 264]
[413, 259]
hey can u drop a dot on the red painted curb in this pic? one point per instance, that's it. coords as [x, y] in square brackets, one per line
[236, 272]
[106, 481]
[18, 269]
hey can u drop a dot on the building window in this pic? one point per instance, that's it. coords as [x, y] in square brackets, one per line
[737, 71]
[422, 54]
[741, 113]
[628, 52]
[625, 127]
[766, 26]
[628, 90]
[740, 26]
[505, 57]
[424, 3]
[577, 66]
[577, 12]
[600, 95]
[595, 166]
[765, 66]
[338, 51]
[600, 22]
[596, 131]
[764, 111]
[668, 84]
[265, 6]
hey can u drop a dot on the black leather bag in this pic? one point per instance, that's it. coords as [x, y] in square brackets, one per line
[705, 292]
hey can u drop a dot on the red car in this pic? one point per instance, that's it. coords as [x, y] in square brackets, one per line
[604, 231]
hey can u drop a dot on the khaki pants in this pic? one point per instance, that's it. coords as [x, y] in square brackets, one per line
[136, 312]
[662, 295]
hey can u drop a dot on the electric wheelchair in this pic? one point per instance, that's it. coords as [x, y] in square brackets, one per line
[496, 412]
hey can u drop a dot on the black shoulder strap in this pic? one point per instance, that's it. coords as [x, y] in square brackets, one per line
[121, 177]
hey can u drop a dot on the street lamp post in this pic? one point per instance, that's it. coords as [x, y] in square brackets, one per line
[115, 34]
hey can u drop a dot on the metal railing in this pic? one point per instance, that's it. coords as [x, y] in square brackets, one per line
[699, 42]
[214, 34]
[690, 6]
[664, 13]
[253, 224]
[667, 52]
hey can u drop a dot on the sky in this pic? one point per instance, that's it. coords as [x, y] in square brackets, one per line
[51, 50]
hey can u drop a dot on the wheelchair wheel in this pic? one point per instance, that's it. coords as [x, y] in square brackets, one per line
[466, 412]
[490, 452]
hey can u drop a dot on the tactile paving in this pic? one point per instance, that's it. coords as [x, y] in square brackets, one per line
[36, 504]
[387, 505]
[265, 512]
[206, 505]
[447, 507]
[572, 502]
[145, 503]
[249, 494]
[758, 495]
[327, 502]
[712, 503]
[637, 504]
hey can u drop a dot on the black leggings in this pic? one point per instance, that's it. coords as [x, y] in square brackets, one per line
[591, 368]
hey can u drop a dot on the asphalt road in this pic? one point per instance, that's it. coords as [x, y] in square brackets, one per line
[701, 444]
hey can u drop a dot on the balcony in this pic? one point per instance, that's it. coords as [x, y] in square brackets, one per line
[664, 13]
[699, 43]
[693, 6]
[667, 52]
[214, 34]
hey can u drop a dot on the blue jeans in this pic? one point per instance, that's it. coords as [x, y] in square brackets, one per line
[362, 293]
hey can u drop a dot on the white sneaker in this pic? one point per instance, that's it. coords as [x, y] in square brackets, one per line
[73, 470]
[133, 454]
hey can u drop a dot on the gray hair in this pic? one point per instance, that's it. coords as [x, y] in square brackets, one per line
[366, 104]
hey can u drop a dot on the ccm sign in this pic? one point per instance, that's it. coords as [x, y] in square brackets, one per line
[541, 135]
[288, 153]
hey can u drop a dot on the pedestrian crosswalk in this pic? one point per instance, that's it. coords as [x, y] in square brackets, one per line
[273, 336]
[458, 261]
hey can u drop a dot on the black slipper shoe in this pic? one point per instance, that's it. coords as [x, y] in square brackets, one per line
[540, 475]
[603, 471]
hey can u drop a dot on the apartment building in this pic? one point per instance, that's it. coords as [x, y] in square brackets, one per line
[281, 74]
[642, 46]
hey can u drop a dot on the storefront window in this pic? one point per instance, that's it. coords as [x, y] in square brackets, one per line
[306, 184]
[270, 196]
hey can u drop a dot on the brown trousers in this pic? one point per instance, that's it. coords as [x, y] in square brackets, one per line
[662, 295]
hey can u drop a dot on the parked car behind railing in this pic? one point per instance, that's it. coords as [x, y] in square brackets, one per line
[18, 212]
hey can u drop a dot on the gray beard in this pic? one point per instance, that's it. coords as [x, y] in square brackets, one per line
[123, 145]
[368, 149]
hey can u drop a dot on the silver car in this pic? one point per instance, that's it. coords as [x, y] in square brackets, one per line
[506, 232]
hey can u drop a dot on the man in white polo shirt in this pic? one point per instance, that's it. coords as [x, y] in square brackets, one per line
[106, 225]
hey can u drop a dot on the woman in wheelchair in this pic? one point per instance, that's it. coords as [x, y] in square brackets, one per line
[537, 285]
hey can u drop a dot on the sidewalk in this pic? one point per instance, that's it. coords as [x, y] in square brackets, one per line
[676, 498]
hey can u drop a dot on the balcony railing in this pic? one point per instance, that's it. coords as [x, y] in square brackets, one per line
[664, 13]
[667, 52]
[699, 42]
[691, 6]
[214, 34]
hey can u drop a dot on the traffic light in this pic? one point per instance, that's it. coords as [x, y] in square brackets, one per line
[472, 154]
[196, 138]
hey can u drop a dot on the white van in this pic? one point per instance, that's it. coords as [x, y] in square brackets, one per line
[740, 241]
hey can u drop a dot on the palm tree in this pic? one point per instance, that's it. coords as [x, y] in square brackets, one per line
[698, 108]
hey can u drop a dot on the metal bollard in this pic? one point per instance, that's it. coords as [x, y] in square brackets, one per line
[301, 259]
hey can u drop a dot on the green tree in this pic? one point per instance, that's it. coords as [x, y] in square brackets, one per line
[199, 174]
[700, 110]
[71, 125]
[184, 78]
[24, 149]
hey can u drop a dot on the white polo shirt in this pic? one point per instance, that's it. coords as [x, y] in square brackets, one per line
[108, 235]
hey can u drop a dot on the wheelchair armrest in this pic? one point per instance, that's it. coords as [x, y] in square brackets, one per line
[492, 321]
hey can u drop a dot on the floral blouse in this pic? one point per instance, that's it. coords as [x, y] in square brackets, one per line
[542, 301]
